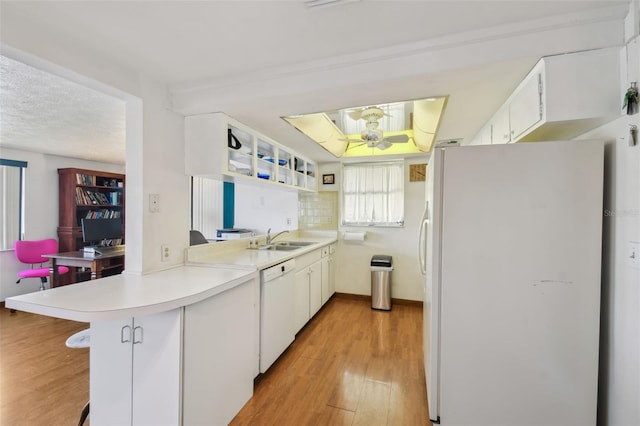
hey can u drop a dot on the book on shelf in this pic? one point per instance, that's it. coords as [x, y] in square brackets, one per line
[102, 214]
[84, 179]
[115, 198]
[102, 198]
[88, 197]
[82, 198]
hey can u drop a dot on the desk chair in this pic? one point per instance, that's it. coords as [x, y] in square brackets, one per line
[81, 339]
[30, 252]
[196, 237]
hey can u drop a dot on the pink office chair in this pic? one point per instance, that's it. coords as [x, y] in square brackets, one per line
[31, 252]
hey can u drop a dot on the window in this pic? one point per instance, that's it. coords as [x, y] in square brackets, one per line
[11, 202]
[206, 205]
[373, 194]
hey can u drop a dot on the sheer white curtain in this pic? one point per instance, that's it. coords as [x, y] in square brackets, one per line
[373, 194]
[10, 208]
[206, 205]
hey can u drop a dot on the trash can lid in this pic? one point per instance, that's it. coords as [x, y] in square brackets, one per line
[381, 260]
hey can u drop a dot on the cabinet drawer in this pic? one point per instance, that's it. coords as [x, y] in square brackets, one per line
[307, 259]
[325, 251]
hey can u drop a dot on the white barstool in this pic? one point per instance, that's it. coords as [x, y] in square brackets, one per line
[81, 339]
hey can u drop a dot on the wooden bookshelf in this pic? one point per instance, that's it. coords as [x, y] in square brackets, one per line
[86, 194]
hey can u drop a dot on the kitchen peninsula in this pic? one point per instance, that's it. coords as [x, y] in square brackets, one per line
[179, 346]
[156, 342]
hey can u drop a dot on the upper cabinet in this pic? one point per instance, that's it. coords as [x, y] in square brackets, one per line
[219, 146]
[562, 97]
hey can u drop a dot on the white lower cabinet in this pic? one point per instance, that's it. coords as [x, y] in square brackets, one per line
[325, 268]
[315, 288]
[192, 365]
[135, 370]
[301, 299]
[328, 273]
[308, 288]
[332, 269]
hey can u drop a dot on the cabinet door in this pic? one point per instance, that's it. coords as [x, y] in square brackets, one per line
[135, 370]
[315, 288]
[332, 275]
[325, 267]
[301, 299]
[157, 368]
[111, 364]
[525, 108]
[501, 132]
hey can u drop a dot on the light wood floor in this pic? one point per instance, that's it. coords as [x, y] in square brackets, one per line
[42, 382]
[350, 365]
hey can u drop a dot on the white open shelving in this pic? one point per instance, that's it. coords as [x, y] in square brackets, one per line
[221, 147]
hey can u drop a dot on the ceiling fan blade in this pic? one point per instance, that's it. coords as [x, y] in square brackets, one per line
[397, 139]
[352, 145]
[351, 140]
[384, 144]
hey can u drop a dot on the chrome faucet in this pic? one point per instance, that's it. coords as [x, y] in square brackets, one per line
[270, 238]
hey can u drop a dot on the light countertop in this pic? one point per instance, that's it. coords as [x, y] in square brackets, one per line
[129, 295]
[210, 269]
[236, 255]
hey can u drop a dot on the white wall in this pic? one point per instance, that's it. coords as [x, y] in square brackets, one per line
[353, 259]
[162, 164]
[619, 390]
[260, 207]
[155, 141]
[41, 209]
[620, 319]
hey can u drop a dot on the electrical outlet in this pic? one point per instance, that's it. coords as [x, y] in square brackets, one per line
[166, 253]
[288, 221]
[154, 203]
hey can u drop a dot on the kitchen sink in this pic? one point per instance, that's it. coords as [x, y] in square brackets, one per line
[279, 247]
[296, 243]
[284, 247]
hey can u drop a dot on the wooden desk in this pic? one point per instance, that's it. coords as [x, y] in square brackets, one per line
[97, 264]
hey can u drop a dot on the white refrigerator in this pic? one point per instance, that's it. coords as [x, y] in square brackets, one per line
[510, 246]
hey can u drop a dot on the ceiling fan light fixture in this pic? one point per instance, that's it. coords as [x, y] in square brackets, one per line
[371, 135]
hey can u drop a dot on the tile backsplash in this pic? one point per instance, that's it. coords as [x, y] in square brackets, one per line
[318, 211]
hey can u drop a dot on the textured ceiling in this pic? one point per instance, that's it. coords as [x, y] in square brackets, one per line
[41, 112]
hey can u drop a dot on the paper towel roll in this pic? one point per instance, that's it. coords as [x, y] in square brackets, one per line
[354, 236]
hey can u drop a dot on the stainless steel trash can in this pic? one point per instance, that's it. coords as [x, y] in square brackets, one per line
[381, 267]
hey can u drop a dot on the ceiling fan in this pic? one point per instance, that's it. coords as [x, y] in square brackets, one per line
[372, 135]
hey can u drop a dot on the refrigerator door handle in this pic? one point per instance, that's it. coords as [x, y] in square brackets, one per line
[422, 242]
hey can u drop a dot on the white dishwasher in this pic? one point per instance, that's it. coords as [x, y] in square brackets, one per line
[276, 311]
